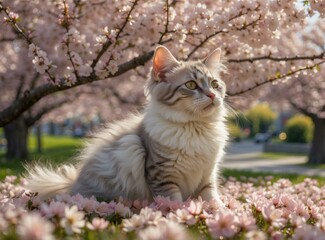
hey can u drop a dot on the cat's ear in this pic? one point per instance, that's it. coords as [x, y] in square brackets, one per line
[163, 62]
[213, 58]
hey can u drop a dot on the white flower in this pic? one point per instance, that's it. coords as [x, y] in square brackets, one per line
[73, 220]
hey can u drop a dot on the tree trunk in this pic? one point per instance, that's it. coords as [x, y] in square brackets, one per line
[39, 138]
[16, 134]
[317, 151]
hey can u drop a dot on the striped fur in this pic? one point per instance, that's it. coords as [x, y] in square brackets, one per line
[173, 149]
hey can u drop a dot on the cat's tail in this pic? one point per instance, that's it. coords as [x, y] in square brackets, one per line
[48, 181]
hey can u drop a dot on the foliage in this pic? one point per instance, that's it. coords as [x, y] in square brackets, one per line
[234, 131]
[260, 118]
[255, 208]
[299, 129]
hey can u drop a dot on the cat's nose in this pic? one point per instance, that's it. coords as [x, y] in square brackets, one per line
[211, 95]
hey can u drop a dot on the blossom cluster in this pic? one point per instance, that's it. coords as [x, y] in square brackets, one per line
[255, 208]
[94, 40]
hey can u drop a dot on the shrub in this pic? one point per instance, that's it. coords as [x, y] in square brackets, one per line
[234, 131]
[299, 129]
[260, 118]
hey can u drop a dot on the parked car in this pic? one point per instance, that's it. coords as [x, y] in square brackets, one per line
[262, 137]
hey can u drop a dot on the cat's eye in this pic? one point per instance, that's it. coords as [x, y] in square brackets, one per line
[191, 85]
[215, 84]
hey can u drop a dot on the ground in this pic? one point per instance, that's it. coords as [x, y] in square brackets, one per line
[258, 205]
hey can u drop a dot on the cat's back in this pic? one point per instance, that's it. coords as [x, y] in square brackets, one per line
[108, 135]
[112, 163]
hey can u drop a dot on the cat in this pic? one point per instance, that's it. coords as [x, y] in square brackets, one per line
[173, 149]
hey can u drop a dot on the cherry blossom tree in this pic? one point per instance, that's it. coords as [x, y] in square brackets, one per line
[306, 93]
[93, 46]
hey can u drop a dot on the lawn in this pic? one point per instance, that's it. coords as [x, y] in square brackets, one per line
[56, 149]
[276, 156]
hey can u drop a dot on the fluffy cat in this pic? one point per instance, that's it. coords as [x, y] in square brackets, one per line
[172, 150]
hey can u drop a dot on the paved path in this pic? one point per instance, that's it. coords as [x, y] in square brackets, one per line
[250, 160]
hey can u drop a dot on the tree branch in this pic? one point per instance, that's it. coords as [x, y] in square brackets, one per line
[13, 23]
[167, 22]
[278, 59]
[303, 110]
[203, 42]
[32, 96]
[108, 43]
[30, 121]
[281, 76]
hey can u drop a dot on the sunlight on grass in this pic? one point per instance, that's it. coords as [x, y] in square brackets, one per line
[276, 156]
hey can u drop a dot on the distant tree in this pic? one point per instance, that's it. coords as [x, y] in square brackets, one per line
[299, 129]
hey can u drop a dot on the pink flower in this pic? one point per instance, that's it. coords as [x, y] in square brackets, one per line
[105, 209]
[33, 227]
[276, 235]
[195, 207]
[223, 225]
[122, 210]
[88, 204]
[165, 204]
[273, 215]
[255, 235]
[296, 220]
[308, 232]
[288, 202]
[73, 220]
[246, 222]
[97, 224]
[53, 209]
[302, 211]
[134, 223]
[165, 230]
[182, 216]
[10, 179]
[146, 217]
[321, 224]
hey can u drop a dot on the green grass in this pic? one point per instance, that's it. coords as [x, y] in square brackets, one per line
[315, 166]
[276, 156]
[56, 149]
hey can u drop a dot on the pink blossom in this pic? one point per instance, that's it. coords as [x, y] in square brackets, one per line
[54, 208]
[122, 210]
[146, 217]
[182, 216]
[165, 230]
[97, 224]
[195, 207]
[165, 204]
[224, 224]
[105, 209]
[255, 235]
[288, 202]
[33, 227]
[246, 221]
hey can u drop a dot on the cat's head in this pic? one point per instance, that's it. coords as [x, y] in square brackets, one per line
[187, 90]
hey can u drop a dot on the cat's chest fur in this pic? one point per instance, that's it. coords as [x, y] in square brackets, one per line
[194, 143]
[183, 153]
